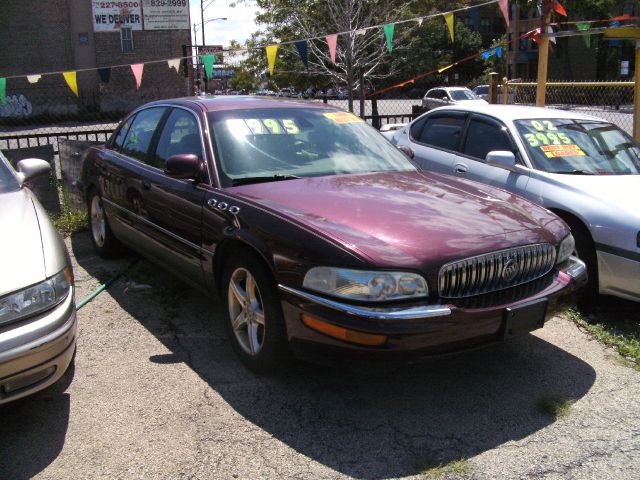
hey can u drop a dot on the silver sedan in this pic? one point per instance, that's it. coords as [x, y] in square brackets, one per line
[37, 307]
[582, 168]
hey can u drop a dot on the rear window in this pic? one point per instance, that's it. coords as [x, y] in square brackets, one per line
[442, 132]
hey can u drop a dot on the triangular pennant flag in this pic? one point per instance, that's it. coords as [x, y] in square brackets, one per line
[208, 61]
[33, 78]
[70, 78]
[175, 64]
[559, 9]
[302, 51]
[420, 20]
[504, 8]
[3, 90]
[533, 35]
[551, 31]
[474, 13]
[272, 50]
[137, 69]
[586, 37]
[361, 31]
[105, 74]
[498, 51]
[388, 33]
[448, 17]
[486, 55]
[332, 41]
[446, 68]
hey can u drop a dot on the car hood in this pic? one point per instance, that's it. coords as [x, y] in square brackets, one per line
[407, 218]
[621, 192]
[21, 251]
[478, 101]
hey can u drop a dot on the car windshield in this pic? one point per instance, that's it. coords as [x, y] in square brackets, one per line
[481, 90]
[281, 143]
[463, 95]
[8, 182]
[558, 145]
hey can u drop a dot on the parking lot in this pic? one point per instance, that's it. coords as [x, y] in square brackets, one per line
[158, 393]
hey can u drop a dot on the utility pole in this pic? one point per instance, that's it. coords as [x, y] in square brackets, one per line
[204, 76]
[543, 53]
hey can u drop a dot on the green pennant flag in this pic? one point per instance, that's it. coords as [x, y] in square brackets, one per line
[586, 37]
[3, 90]
[208, 61]
[388, 33]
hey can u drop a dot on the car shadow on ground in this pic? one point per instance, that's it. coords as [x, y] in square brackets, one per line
[33, 430]
[364, 425]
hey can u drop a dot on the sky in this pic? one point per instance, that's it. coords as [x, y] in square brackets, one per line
[238, 26]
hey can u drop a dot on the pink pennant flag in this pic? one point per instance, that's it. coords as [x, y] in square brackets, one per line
[137, 69]
[504, 7]
[332, 41]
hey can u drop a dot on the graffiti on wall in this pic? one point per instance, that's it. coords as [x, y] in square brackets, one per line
[16, 106]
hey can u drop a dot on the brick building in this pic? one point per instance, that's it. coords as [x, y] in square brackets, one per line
[39, 37]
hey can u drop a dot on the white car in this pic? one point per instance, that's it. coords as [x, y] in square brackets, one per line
[582, 168]
[441, 96]
[389, 129]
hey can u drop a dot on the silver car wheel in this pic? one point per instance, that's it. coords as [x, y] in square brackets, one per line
[98, 225]
[246, 311]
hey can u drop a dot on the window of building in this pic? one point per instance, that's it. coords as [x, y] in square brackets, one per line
[523, 42]
[628, 9]
[485, 25]
[126, 39]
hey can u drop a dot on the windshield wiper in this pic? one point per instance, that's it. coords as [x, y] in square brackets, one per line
[573, 172]
[266, 178]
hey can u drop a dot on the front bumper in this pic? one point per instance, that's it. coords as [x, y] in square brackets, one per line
[36, 352]
[422, 330]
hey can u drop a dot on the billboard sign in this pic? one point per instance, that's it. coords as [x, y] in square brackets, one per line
[216, 50]
[112, 16]
[166, 14]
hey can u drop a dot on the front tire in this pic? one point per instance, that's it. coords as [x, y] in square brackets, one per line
[254, 319]
[585, 251]
[104, 242]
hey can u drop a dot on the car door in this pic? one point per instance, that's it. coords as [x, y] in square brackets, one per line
[482, 135]
[118, 172]
[435, 140]
[171, 209]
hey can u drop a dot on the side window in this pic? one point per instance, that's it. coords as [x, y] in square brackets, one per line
[118, 140]
[416, 129]
[442, 132]
[180, 135]
[484, 137]
[138, 139]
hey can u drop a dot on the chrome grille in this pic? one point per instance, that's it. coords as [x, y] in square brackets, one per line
[495, 271]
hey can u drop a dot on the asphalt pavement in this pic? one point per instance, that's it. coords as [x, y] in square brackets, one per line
[157, 393]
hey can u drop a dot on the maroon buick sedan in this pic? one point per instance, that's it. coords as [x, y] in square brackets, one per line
[323, 239]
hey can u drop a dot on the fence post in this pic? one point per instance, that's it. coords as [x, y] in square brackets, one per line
[375, 120]
[636, 95]
[493, 87]
[505, 90]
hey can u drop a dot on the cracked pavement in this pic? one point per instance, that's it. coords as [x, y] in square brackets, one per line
[157, 392]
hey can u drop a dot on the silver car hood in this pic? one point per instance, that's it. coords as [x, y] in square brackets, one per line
[21, 252]
[619, 191]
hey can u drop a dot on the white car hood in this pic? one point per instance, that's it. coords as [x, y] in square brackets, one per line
[619, 191]
[477, 101]
[21, 254]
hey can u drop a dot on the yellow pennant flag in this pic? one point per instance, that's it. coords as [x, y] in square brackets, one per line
[70, 78]
[446, 68]
[272, 50]
[448, 17]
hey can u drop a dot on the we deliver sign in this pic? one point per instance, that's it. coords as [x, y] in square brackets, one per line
[112, 16]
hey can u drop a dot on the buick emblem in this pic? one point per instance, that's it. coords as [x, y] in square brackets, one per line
[510, 269]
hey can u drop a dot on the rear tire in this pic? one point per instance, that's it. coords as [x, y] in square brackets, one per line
[104, 242]
[253, 316]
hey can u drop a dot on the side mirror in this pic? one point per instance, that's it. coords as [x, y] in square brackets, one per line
[502, 159]
[445, 99]
[184, 166]
[30, 168]
[406, 150]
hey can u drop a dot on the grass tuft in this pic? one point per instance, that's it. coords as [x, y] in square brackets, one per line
[554, 405]
[70, 221]
[623, 336]
[440, 471]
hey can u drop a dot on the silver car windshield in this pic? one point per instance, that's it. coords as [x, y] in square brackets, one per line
[8, 182]
[281, 143]
[558, 145]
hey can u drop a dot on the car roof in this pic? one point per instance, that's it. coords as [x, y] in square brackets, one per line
[449, 88]
[211, 103]
[516, 112]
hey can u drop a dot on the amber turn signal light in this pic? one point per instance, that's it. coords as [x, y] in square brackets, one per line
[341, 333]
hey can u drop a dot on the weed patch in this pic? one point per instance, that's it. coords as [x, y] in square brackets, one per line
[554, 405]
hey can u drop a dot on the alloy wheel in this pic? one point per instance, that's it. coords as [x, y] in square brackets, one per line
[246, 311]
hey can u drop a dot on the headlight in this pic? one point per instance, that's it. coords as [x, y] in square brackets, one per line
[566, 249]
[36, 298]
[365, 285]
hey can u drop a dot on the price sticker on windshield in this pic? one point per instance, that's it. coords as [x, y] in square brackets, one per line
[552, 151]
[343, 117]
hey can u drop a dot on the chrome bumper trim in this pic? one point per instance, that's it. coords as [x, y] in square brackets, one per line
[384, 313]
[576, 269]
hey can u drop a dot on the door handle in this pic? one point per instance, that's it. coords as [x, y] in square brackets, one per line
[460, 168]
[146, 185]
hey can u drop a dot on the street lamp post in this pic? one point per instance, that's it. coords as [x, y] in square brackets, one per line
[195, 37]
